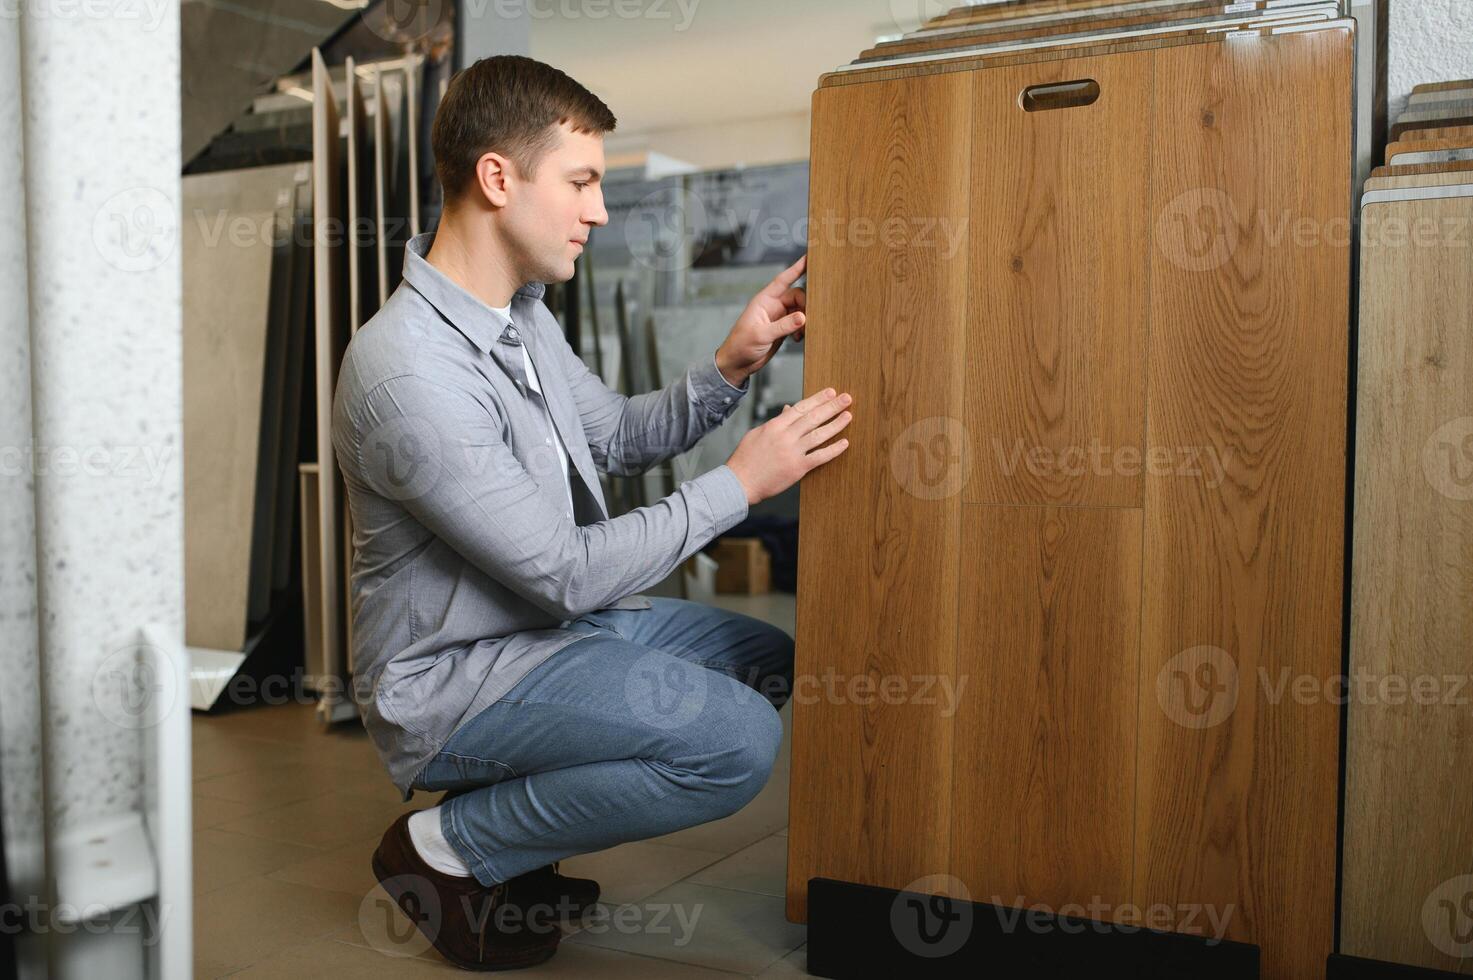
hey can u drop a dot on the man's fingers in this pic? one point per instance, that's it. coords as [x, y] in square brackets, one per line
[787, 326]
[821, 413]
[824, 433]
[787, 277]
[814, 400]
[820, 456]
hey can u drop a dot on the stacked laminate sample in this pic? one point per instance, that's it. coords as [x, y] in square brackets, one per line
[1408, 851]
[1086, 289]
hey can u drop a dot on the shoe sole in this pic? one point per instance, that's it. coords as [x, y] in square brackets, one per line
[534, 957]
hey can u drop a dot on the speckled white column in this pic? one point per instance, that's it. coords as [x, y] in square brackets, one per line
[101, 151]
[20, 695]
[1429, 41]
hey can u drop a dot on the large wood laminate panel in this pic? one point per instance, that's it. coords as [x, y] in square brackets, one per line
[226, 311]
[1408, 863]
[1055, 397]
[1043, 799]
[880, 524]
[1244, 532]
[331, 338]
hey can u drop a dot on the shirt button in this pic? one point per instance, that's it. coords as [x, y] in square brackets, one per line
[728, 398]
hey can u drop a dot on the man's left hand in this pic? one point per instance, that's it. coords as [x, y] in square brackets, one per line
[774, 315]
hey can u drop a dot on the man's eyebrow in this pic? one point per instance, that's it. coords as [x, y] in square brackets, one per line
[592, 173]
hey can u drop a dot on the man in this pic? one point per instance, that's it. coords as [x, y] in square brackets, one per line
[501, 651]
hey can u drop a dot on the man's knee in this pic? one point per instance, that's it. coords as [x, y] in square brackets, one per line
[749, 748]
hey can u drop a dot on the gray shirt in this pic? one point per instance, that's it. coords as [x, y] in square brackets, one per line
[469, 560]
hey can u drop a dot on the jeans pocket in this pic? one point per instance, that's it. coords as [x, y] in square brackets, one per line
[449, 771]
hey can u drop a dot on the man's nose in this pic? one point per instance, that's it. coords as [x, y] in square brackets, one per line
[598, 216]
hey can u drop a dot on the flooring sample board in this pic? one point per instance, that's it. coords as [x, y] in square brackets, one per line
[877, 587]
[1408, 861]
[362, 222]
[215, 202]
[316, 672]
[1248, 373]
[412, 88]
[1442, 86]
[1402, 148]
[299, 326]
[331, 330]
[1048, 638]
[273, 412]
[388, 222]
[1061, 309]
[1171, 368]
[1418, 169]
[227, 307]
[1202, 16]
[1423, 180]
[1321, 12]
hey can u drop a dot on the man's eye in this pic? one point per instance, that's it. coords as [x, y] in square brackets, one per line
[580, 184]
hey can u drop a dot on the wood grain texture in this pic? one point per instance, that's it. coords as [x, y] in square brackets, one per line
[1248, 367]
[878, 589]
[1408, 795]
[966, 63]
[1418, 180]
[1043, 804]
[1073, 44]
[1056, 347]
[331, 330]
[1085, 22]
[1420, 169]
[1404, 147]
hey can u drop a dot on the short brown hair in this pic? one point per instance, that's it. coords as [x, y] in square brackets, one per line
[510, 105]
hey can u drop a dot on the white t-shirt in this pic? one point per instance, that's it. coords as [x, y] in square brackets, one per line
[554, 438]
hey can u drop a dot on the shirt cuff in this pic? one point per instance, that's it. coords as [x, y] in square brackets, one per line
[726, 497]
[710, 387]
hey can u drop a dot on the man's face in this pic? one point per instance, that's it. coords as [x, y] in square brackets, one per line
[547, 220]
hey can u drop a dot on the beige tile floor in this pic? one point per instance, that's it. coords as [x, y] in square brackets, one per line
[286, 817]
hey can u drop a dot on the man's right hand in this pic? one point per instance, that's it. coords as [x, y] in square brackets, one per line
[780, 452]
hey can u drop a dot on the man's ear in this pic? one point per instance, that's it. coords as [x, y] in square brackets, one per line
[493, 173]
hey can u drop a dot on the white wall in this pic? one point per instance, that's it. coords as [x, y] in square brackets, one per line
[1429, 41]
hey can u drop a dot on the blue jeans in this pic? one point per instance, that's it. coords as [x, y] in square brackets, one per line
[650, 724]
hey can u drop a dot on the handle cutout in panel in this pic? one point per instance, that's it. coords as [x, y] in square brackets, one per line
[1061, 95]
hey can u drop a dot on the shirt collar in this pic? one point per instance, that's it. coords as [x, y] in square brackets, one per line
[473, 318]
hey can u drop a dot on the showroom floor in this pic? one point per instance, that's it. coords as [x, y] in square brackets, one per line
[286, 817]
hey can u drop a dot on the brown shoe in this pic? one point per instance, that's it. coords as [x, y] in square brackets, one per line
[473, 926]
[570, 896]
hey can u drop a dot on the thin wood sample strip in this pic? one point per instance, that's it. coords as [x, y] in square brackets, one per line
[1043, 804]
[1408, 836]
[1244, 534]
[1055, 397]
[330, 284]
[888, 314]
